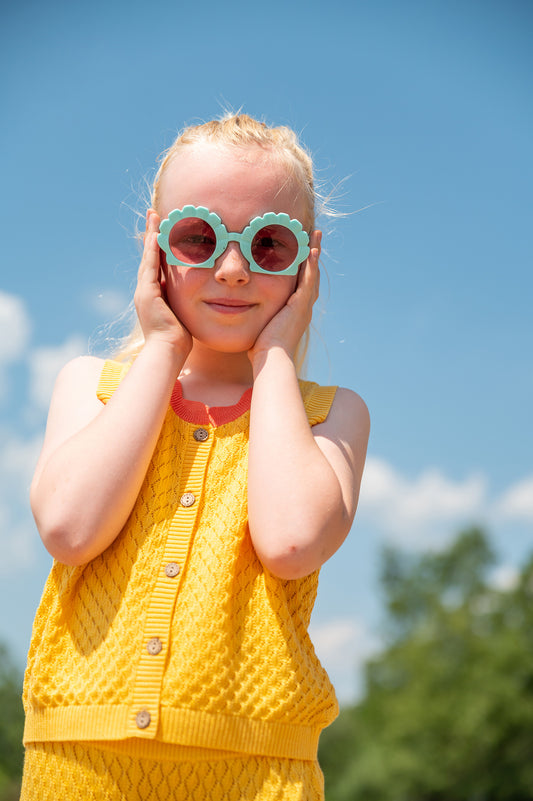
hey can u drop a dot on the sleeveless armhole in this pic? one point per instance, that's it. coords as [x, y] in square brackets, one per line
[110, 377]
[317, 401]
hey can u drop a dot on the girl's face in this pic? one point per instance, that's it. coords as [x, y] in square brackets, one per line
[227, 307]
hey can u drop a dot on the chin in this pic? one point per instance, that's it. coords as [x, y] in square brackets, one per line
[227, 344]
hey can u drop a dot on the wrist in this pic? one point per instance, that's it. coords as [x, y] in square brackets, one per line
[177, 345]
[276, 356]
[165, 350]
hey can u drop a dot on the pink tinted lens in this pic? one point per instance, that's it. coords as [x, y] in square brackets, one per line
[274, 248]
[192, 240]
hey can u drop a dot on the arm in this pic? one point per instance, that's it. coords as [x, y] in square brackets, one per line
[303, 482]
[95, 457]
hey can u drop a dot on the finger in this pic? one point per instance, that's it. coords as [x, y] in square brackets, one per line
[309, 276]
[315, 240]
[316, 249]
[152, 222]
[310, 280]
[316, 259]
[150, 259]
[306, 293]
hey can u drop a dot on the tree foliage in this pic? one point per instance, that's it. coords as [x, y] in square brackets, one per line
[11, 726]
[448, 709]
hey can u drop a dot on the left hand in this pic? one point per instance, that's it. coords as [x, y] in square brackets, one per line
[288, 326]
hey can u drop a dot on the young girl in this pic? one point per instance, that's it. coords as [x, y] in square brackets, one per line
[189, 495]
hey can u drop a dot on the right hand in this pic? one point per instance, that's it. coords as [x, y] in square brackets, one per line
[287, 327]
[157, 319]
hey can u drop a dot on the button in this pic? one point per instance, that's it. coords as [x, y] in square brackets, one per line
[172, 569]
[142, 719]
[154, 646]
[187, 499]
[201, 435]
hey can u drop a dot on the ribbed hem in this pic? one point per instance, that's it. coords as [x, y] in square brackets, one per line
[245, 735]
[110, 377]
[317, 401]
[178, 727]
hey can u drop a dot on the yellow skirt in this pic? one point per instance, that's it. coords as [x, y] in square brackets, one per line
[90, 772]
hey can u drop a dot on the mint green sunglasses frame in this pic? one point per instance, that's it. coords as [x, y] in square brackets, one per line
[223, 237]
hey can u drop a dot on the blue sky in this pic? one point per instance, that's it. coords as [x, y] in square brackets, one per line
[420, 119]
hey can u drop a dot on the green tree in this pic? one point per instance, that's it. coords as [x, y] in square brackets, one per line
[11, 726]
[448, 709]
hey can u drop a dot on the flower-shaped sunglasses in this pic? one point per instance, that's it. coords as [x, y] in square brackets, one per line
[195, 237]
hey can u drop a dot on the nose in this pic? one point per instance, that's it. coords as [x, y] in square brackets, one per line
[231, 267]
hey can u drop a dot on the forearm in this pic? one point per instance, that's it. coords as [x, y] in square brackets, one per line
[297, 511]
[84, 491]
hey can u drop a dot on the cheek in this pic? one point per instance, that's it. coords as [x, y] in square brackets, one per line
[181, 286]
[183, 279]
[282, 289]
[275, 293]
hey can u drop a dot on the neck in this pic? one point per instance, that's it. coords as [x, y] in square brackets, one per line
[215, 378]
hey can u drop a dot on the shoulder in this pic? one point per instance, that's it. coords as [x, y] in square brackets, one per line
[84, 368]
[348, 419]
[77, 381]
[348, 402]
[343, 439]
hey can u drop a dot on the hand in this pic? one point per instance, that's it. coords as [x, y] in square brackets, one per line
[288, 326]
[155, 315]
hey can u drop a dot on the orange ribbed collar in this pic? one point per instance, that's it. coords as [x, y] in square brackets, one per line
[197, 412]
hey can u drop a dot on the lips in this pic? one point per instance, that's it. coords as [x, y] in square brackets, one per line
[228, 305]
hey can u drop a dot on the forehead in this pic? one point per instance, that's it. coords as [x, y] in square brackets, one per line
[236, 183]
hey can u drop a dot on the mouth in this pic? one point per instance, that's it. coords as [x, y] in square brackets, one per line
[229, 305]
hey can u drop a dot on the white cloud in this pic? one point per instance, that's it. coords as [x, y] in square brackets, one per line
[343, 646]
[18, 544]
[18, 458]
[15, 330]
[15, 327]
[516, 503]
[46, 362]
[419, 512]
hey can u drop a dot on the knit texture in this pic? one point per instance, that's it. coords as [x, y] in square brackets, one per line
[176, 634]
[81, 772]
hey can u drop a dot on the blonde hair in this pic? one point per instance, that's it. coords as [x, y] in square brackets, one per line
[238, 130]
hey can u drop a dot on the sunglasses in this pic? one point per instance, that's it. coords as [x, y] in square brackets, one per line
[195, 237]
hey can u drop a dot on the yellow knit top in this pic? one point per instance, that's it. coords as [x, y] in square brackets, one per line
[176, 633]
